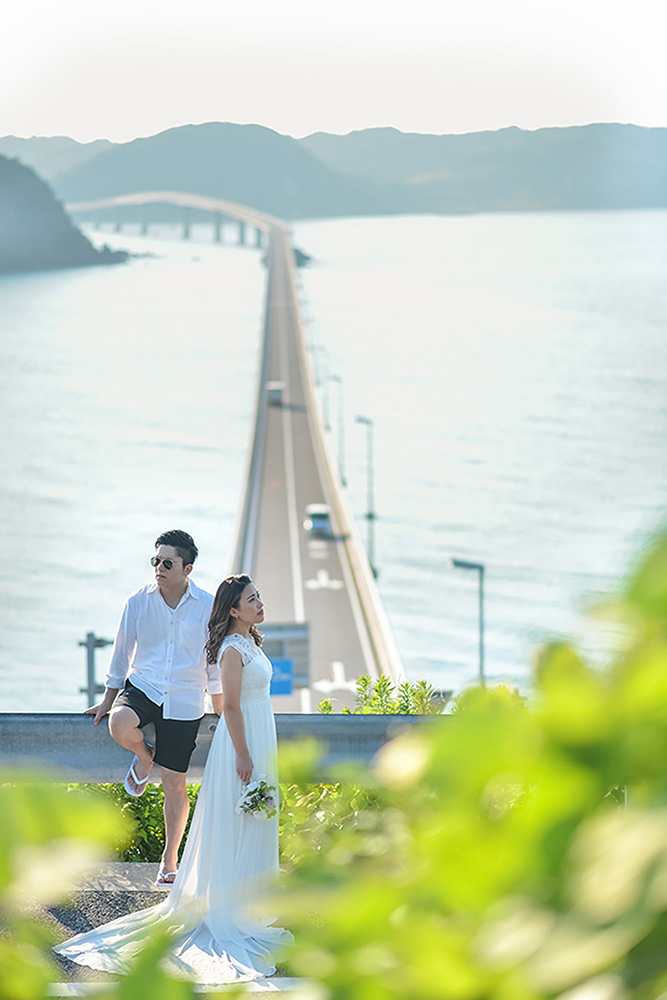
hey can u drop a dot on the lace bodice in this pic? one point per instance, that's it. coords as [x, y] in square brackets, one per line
[257, 669]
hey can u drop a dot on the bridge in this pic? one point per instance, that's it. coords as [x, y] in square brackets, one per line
[217, 208]
[326, 625]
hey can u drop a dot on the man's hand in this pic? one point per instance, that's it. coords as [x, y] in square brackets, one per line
[103, 707]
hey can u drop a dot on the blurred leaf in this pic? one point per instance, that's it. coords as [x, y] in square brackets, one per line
[24, 972]
[647, 587]
[298, 760]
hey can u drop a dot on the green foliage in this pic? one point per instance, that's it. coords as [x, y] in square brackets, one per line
[495, 858]
[381, 697]
[501, 693]
[310, 813]
[144, 815]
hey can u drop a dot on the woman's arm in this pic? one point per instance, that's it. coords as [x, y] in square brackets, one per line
[231, 667]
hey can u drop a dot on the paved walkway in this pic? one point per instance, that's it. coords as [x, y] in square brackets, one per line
[111, 890]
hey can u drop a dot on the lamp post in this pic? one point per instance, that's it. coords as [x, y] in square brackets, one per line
[341, 427]
[370, 500]
[322, 380]
[479, 567]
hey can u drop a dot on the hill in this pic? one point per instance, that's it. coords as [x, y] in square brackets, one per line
[370, 172]
[52, 155]
[583, 167]
[247, 164]
[36, 234]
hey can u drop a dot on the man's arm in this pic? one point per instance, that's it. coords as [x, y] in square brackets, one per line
[123, 650]
[217, 703]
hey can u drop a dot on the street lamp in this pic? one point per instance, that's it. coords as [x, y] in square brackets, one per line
[479, 567]
[322, 380]
[341, 427]
[370, 504]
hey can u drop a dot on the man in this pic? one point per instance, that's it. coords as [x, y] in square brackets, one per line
[159, 662]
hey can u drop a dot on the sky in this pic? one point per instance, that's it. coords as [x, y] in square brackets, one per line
[90, 70]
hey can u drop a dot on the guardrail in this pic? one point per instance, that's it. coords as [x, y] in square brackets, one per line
[68, 747]
[386, 653]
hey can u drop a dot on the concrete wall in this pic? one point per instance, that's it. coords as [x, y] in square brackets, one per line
[68, 747]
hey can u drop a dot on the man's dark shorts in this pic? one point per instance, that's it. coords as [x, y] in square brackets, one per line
[174, 738]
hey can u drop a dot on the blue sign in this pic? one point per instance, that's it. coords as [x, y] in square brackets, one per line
[282, 680]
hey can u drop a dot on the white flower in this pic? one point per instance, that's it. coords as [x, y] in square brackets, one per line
[258, 799]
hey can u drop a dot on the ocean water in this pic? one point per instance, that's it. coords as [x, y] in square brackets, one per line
[514, 367]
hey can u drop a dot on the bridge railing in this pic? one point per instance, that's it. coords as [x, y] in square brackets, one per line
[69, 747]
[386, 652]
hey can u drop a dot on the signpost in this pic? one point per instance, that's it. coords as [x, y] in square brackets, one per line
[92, 643]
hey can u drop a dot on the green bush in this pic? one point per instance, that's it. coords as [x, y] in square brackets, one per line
[304, 807]
[144, 817]
[381, 697]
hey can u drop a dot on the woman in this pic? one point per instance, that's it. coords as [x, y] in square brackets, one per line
[230, 858]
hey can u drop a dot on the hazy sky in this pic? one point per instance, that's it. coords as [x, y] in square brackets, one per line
[117, 69]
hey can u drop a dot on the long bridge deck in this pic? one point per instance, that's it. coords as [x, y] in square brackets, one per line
[325, 622]
[322, 582]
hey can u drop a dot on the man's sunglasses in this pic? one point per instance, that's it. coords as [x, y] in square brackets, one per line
[167, 563]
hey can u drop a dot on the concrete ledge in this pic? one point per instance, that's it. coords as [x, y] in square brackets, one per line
[300, 988]
[68, 747]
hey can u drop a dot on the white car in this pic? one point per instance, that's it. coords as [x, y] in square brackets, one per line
[317, 521]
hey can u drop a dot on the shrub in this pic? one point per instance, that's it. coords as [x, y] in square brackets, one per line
[381, 697]
[144, 817]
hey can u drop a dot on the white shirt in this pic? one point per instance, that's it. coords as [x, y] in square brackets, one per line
[161, 649]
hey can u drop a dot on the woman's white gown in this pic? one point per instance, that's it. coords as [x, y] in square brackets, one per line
[229, 863]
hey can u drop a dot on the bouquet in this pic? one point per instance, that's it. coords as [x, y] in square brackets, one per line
[258, 799]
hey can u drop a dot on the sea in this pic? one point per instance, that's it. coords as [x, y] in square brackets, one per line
[514, 368]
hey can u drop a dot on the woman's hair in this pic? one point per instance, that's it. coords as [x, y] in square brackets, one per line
[227, 597]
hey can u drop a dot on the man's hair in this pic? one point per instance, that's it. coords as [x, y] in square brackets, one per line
[182, 542]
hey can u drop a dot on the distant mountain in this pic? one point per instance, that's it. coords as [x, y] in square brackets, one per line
[374, 171]
[52, 155]
[247, 164]
[583, 167]
[35, 232]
